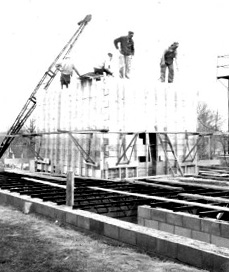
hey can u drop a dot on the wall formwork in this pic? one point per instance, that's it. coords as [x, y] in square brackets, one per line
[123, 108]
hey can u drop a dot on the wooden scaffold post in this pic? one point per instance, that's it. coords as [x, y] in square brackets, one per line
[70, 189]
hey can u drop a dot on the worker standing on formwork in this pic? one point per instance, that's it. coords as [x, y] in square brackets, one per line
[125, 45]
[167, 59]
[66, 68]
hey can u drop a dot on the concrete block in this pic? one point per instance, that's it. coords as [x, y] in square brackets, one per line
[38, 208]
[59, 215]
[215, 262]
[127, 236]
[141, 221]
[166, 248]
[19, 203]
[182, 231]
[27, 207]
[158, 215]
[189, 255]
[221, 263]
[220, 241]
[210, 226]
[174, 218]
[207, 261]
[144, 211]
[83, 222]
[151, 224]
[71, 218]
[224, 229]
[111, 231]
[96, 226]
[191, 222]
[166, 227]
[200, 236]
[146, 242]
[10, 200]
[215, 228]
[45, 210]
[2, 198]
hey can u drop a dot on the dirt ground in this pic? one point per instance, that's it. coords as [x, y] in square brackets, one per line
[29, 243]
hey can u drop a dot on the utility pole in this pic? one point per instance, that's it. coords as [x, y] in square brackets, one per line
[227, 78]
[224, 65]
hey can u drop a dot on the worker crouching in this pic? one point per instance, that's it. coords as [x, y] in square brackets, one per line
[167, 60]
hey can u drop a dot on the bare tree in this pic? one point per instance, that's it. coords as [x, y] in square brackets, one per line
[210, 122]
[24, 147]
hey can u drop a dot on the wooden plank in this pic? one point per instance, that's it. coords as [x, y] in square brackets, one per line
[176, 188]
[209, 198]
[210, 180]
[192, 184]
[208, 213]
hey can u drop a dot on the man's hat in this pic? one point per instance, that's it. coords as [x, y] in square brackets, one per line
[130, 32]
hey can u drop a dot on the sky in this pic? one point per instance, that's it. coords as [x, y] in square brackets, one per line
[33, 32]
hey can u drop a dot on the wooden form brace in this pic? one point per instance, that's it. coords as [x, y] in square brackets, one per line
[130, 146]
[86, 155]
[200, 137]
[165, 142]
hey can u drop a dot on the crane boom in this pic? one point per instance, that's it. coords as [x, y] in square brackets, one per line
[46, 80]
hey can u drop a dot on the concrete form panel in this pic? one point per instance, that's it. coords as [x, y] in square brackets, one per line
[115, 105]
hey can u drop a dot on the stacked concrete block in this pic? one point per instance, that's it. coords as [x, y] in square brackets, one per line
[211, 231]
[192, 252]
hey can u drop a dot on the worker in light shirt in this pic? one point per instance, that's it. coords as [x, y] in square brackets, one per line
[66, 68]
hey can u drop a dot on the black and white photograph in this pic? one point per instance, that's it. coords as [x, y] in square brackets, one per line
[114, 136]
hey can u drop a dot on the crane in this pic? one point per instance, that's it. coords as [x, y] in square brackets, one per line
[46, 80]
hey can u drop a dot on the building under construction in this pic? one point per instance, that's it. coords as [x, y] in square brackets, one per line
[107, 127]
[118, 157]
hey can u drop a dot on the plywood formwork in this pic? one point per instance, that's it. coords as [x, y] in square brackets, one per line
[121, 121]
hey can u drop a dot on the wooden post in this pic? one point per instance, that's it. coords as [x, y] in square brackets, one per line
[70, 189]
[147, 153]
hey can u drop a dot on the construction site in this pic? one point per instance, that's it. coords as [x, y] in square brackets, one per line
[119, 157]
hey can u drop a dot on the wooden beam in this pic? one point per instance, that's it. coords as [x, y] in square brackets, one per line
[208, 198]
[192, 184]
[107, 131]
[208, 213]
[70, 189]
[161, 186]
[183, 208]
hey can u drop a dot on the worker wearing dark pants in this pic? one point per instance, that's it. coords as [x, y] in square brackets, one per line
[170, 70]
[167, 59]
[66, 68]
[65, 80]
